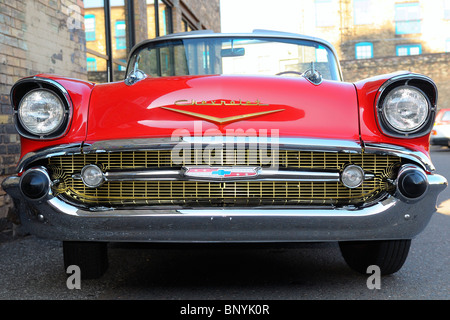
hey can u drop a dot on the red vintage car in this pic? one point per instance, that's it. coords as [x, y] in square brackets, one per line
[219, 138]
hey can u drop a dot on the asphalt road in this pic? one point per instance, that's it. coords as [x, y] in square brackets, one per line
[32, 268]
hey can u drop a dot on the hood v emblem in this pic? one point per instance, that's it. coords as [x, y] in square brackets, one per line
[223, 120]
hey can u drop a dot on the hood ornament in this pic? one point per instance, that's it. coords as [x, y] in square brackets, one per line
[312, 75]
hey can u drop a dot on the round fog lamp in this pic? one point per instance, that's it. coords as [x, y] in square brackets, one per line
[352, 176]
[92, 176]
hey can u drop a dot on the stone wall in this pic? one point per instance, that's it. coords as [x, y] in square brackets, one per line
[433, 65]
[29, 32]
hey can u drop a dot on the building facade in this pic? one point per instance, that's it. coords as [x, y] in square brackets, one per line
[364, 29]
[383, 36]
[108, 45]
[87, 39]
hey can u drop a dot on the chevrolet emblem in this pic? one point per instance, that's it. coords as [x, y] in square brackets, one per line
[222, 120]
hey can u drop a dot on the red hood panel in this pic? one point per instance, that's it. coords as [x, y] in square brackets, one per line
[223, 104]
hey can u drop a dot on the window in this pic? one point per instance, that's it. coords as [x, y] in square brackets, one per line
[165, 18]
[159, 18]
[364, 50]
[91, 64]
[362, 12]
[446, 9]
[407, 18]
[89, 22]
[447, 45]
[187, 26]
[325, 13]
[121, 41]
[409, 50]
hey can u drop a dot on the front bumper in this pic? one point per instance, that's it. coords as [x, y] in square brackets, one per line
[390, 218]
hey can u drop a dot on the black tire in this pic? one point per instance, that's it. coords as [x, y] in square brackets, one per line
[388, 255]
[90, 257]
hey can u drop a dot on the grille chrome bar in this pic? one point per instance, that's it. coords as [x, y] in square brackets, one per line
[182, 175]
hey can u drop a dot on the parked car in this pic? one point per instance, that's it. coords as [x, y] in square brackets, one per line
[220, 138]
[440, 135]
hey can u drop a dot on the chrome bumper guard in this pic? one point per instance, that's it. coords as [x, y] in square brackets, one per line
[393, 217]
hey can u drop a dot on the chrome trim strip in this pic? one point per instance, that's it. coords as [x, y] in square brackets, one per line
[307, 144]
[388, 149]
[60, 150]
[180, 175]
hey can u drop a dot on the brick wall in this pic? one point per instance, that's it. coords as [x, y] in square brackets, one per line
[36, 36]
[433, 65]
[209, 11]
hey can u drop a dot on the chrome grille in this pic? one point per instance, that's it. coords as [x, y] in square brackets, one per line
[237, 193]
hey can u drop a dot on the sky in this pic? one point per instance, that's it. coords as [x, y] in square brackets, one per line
[247, 15]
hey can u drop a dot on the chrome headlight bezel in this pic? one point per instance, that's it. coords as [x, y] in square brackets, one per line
[27, 86]
[421, 85]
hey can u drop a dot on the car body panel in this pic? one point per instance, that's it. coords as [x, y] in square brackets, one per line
[302, 109]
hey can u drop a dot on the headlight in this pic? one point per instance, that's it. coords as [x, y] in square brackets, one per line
[406, 109]
[41, 112]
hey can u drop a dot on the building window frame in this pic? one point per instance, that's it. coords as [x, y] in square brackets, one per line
[364, 50]
[168, 17]
[90, 33]
[187, 24]
[408, 18]
[130, 36]
[91, 64]
[410, 48]
[120, 34]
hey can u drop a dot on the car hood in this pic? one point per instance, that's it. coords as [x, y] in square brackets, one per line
[223, 105]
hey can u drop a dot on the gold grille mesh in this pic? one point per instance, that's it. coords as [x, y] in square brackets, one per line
[221, 193]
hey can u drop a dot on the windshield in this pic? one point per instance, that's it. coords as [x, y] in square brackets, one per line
[234, 56]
